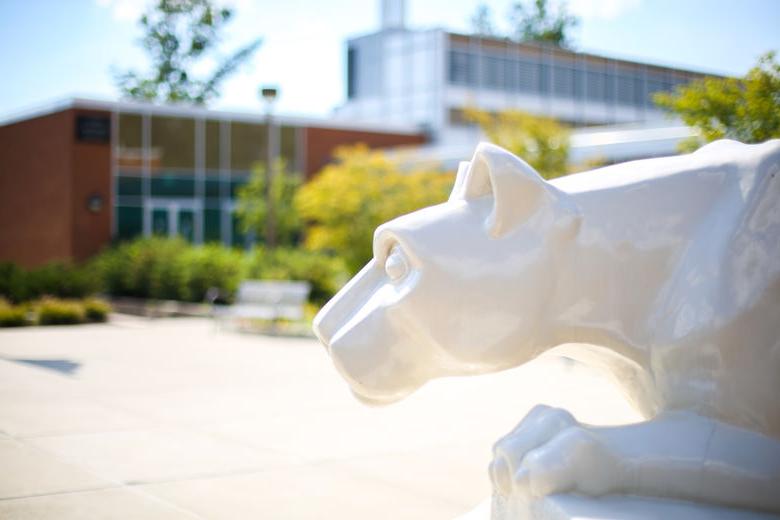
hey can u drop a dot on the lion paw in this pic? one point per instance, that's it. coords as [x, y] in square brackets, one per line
[550, 452]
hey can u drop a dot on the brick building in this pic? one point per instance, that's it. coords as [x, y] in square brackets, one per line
[83, 173]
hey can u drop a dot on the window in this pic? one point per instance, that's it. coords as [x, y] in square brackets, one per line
[213, 188]
[248, 144]
[129, 222]
[288, 145]
[528, 80]
[639, 92]
[173, 186]
[544, 78]
[462, 68]
[351, 72]
[129, 186]
[625, 90]
[596, 86]
[579, 83]
[212, 225]
[212, 147]
[173, 144]
[609, 88]
[130, 141]
[563, 81]
[493, 72]
[511, 68]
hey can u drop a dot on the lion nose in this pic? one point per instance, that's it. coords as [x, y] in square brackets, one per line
[320, 328]
[350, 299]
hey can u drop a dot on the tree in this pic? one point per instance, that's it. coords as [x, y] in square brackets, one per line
[538, 22]
[177, 34]
[482, 21]
[542, 142]
[746, 109]
[347, 200]
[252, 208]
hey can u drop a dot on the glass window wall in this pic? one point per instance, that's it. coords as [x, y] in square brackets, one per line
[180, 175]
[599, 81]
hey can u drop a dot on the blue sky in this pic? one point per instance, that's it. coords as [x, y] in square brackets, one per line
[53, 49]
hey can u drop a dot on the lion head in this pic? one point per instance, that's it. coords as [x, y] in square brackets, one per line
[457, 288]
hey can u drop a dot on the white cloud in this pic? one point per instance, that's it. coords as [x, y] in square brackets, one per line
[124, 10]
[601, 9]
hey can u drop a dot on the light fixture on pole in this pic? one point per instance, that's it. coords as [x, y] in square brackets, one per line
[269, 95]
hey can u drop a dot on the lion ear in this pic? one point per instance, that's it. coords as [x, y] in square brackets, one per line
[518, 190]
[458, 190]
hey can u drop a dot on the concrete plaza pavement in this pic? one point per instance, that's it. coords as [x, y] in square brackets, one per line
[174, 419]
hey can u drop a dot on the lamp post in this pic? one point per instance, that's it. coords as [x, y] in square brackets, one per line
[269, 95]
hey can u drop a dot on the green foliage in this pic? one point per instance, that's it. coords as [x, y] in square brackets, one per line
[177, 35]
[96, 310]
[52, 311]
[746, 109]
[12, 315]
[538, 22]
[209, 266]
[63, 280]
[540, 141]
[13, 282]
[347, 200]
[145, 268]
[252, 207]
[325, 273]
[169, 269]
[54, 279]
[172, 269]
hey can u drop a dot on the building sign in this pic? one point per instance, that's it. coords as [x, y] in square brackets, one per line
[94, 129]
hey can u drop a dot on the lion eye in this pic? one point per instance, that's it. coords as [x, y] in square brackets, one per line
[395, 265]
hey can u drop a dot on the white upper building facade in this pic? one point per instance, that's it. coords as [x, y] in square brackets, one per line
[428, 77]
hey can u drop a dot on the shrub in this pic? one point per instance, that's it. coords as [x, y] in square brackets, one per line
[12, 315]
[212, 266]
[13, 282]
[52, 311]
[163, 268]
[145, 268]
[325, 273]
[169, 269]
[96, 310]
[346, 201]
[61, 280]
[58, 279]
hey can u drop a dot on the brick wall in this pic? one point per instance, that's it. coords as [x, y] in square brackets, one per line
[45, 179]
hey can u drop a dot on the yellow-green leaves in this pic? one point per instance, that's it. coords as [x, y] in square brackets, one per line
[746, 109]
[348, 199]
[541, 141]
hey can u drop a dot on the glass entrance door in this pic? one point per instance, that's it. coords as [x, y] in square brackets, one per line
[186, 224]
[161, 224]
[171, 218]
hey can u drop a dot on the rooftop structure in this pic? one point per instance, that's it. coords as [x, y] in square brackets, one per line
[428, 77]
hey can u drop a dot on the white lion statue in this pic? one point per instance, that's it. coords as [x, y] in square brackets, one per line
[664, 272]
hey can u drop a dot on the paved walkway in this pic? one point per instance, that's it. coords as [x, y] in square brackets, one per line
[171, 419]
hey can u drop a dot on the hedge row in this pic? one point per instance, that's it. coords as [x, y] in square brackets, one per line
[55, 279]
[53, 311]
[172, 269]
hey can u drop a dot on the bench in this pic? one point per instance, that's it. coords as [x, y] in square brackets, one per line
[269, 300]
